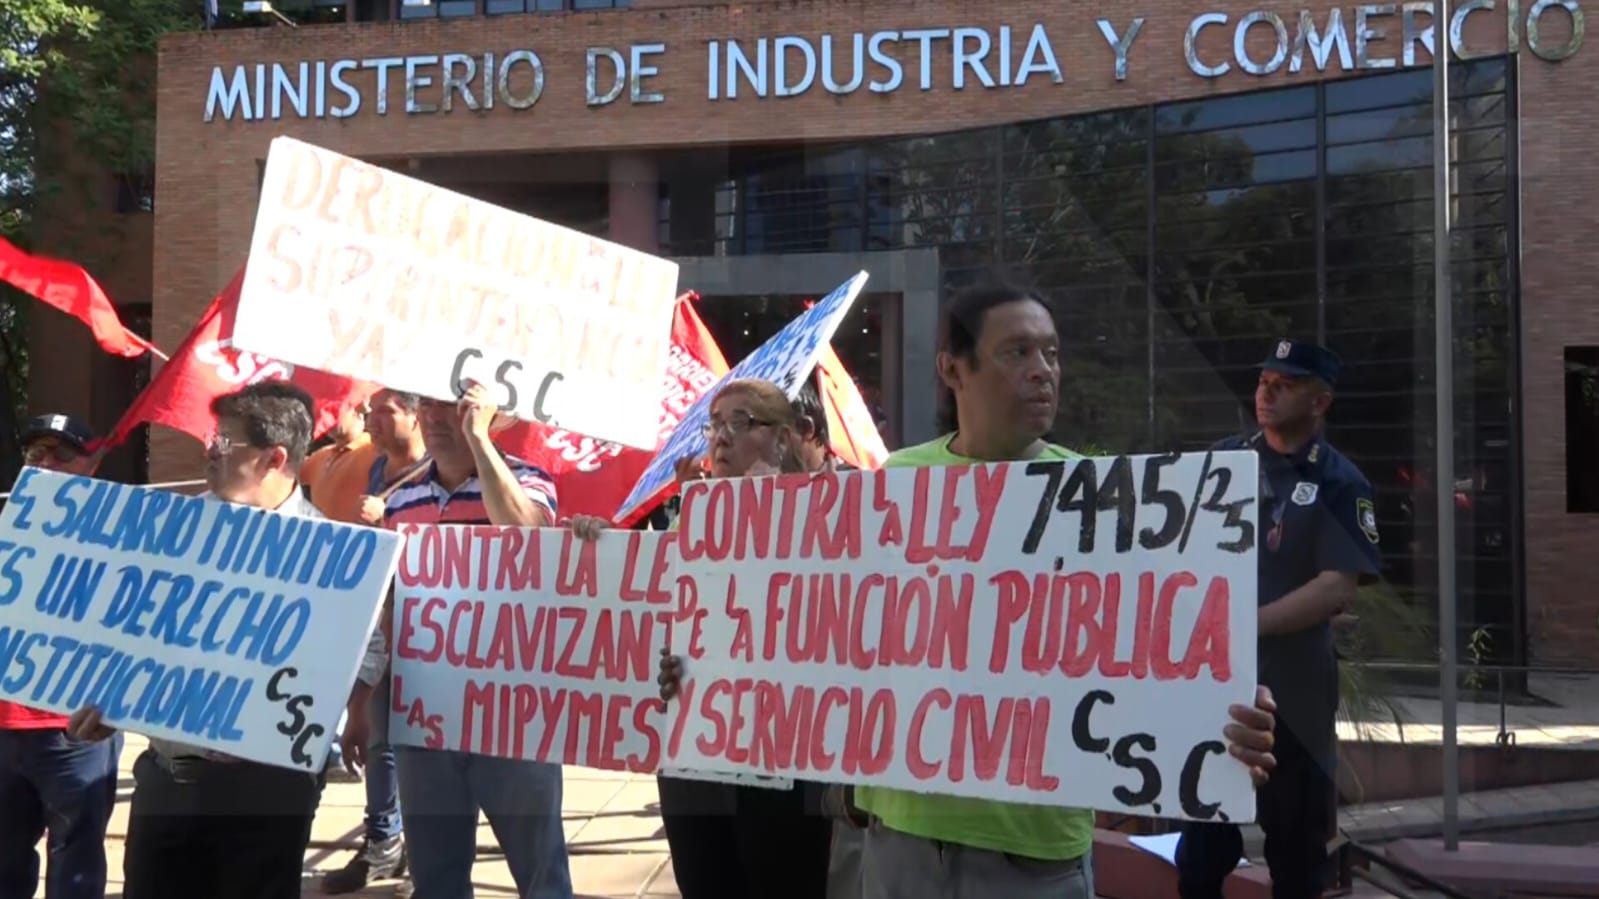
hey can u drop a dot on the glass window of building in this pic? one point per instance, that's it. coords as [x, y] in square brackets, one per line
[1179, 241]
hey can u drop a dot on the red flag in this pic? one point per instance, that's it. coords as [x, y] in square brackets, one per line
[69, 288]
[593, 477]
[206, 366]
[850, 428]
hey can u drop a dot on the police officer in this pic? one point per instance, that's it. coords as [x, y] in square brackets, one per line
[1318, 542]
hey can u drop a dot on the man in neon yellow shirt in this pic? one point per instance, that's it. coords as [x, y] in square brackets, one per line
[999, 368]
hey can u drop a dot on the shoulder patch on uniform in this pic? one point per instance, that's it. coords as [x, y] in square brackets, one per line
[1366, 515]
[1305, 493]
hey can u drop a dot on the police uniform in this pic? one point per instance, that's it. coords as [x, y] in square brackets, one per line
[1316, 515]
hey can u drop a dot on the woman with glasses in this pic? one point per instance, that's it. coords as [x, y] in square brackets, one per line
[727, 841]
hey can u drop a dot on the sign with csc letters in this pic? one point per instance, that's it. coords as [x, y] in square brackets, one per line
[227, 627]
[1057, 633]
[363, 272]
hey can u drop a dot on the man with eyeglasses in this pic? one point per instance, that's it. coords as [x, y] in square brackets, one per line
[203, 823]
[50, 782]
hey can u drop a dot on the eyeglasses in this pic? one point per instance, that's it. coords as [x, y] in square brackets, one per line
[37, 453]
[222, 444]
[735, 424]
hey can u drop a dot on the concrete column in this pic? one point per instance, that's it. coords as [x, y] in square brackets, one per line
[635, 201]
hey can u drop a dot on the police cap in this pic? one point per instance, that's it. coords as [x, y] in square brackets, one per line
[1302, 359]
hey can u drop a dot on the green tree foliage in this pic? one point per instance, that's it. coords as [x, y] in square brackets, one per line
[77, 83]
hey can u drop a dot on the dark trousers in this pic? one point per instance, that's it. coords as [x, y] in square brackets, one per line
[1293, 810]
[736, 842]
[49, 783]
[234, 829]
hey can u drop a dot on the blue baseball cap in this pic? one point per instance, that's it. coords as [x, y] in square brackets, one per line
[71, 431]
[1301, 359]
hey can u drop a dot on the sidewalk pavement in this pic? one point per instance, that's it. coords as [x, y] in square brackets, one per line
[618, 849]
[613, 832]
[1569, 721]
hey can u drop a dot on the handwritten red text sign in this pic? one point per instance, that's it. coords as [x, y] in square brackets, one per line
[532, 644]
[360, 271]
[1062, 633]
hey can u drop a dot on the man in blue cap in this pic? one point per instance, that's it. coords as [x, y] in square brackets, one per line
[1318, 544]
[50, 782]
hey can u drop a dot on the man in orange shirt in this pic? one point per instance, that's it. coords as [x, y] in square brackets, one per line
[334, 471]
[354, 487]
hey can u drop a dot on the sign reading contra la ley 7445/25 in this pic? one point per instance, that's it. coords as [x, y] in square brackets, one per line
[364, 272]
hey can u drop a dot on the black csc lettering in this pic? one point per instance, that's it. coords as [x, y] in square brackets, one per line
[1121, 754]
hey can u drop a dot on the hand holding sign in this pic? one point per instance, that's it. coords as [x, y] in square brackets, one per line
[477, 411]
[671, 676]
[1250, 737]
[87, 726]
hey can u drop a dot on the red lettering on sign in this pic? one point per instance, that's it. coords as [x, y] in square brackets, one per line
[892, 533]
[650, 592]
[587, 728]
[582, 579]
[411, 619]
[843, 541]
[776, 729]
[1072, 621]
[918, 765]
[825, 619]
[1210, 645]
[752, 531]
[988, 487]
[446, 558]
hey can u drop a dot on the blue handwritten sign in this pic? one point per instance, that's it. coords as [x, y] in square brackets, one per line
[225, 627]
[784, 360]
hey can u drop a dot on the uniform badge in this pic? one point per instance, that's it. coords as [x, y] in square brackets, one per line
[1284, 347]
[1315, 453]
[1304, 493]
[1367, 516]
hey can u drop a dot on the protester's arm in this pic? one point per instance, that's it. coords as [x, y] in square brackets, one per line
[1324, 597]
[510, 500]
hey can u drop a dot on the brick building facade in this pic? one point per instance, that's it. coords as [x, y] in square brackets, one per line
[1090, 148]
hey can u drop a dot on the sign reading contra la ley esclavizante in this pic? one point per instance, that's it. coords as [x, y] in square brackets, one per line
[1336, 40]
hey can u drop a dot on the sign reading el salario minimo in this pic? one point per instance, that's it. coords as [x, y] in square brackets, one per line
[230, 628]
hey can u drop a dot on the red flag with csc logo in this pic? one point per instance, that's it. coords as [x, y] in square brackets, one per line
[207, 366]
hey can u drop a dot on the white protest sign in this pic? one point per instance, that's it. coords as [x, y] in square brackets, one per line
[364, 272]
[227, 627]
[532, 644]
[1054, 633]
[784, 360]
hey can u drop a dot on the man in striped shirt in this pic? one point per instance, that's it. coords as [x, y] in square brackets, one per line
[442, 791]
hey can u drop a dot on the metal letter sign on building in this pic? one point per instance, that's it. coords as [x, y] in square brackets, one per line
[1365, 37]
